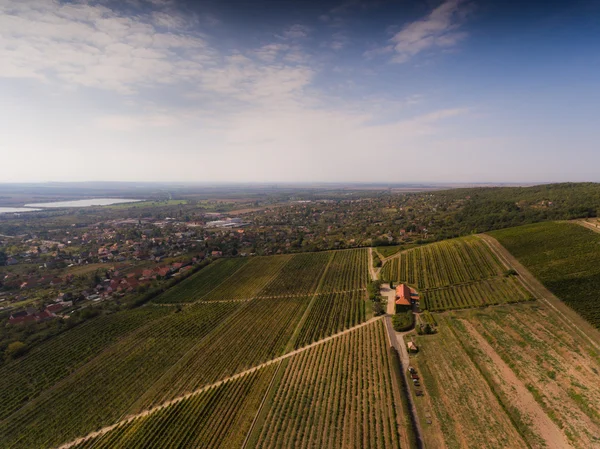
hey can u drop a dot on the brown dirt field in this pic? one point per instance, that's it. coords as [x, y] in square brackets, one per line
[558, 367]
[462, 404]
[520, 397]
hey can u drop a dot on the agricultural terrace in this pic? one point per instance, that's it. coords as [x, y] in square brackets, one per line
[257, 332]
[501, 290]
[104, 389]
[331, 313]
[273, 276]
[347, 271]
[458, 273]
[25, 378]
[132, 361]
[300, 276]
[200, 284]
[249, 280]
[564, 257]
[219, 417]
[524, 363]
[336, 395]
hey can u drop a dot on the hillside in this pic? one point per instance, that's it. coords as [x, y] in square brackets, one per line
[564, 257]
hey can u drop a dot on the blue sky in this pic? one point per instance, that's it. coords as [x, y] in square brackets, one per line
[361, 91]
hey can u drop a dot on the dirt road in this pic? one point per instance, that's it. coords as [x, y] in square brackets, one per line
[397, 341]
[374, 273]
[222, 381]
[390, 296]
[586, 224]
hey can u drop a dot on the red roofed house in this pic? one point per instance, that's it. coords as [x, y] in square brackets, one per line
[403, 298]
[53, 308]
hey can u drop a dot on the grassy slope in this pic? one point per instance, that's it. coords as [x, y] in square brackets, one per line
[565, 257]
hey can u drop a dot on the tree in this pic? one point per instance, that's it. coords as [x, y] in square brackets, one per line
[3, 258]
[377, 309]
[15, 349]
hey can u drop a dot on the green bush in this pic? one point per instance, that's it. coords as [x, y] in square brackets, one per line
[403, 321]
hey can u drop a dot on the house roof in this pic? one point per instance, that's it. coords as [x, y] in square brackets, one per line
[402, 301]
[403, 291]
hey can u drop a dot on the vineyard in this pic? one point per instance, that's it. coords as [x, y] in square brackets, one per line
[201, 283]
[444, 263]
[456, 274]
[300, 276]
[129, 362]
[24, 378]
[217, 418]
[348, 270]
[483, 293]
[249, 280]
[101, 391]
[562, 256]
[331, 313]
[257, 332]
[336, 395]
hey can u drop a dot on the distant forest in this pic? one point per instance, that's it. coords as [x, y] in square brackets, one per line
[485, 209]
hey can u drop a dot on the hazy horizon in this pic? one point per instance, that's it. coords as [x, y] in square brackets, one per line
[454, 91]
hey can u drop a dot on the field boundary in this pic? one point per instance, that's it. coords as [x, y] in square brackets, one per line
[487, 381]
[294, 337]
[260, 407]
[164, 405]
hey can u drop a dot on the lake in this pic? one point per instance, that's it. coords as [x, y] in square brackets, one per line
[8, 210]
[84, 203]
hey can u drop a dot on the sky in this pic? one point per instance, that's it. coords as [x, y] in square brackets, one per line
[299, 91]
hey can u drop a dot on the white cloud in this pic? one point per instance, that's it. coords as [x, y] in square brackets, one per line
[132, 122]
[94, 46]
[296, 32]
[208, 107]
[440, 29]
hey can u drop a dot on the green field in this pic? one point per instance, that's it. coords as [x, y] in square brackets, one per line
[217, 418]
[347, 271]
[455, 274]
[387, 251]
[331, 313]
[445, 263]
[258, 331]
[508, 376]
[565, 257]
[250, 279]
[500, 290]
[96, 374]
[336, 395]
[300, 276]
[105, 388]
[200, 284]
[25, 378]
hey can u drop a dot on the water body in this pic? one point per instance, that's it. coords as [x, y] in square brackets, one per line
[84, 203]
[9, 210]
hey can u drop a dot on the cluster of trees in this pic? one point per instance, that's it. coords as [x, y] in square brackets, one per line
[403, 321]
[374, 292]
